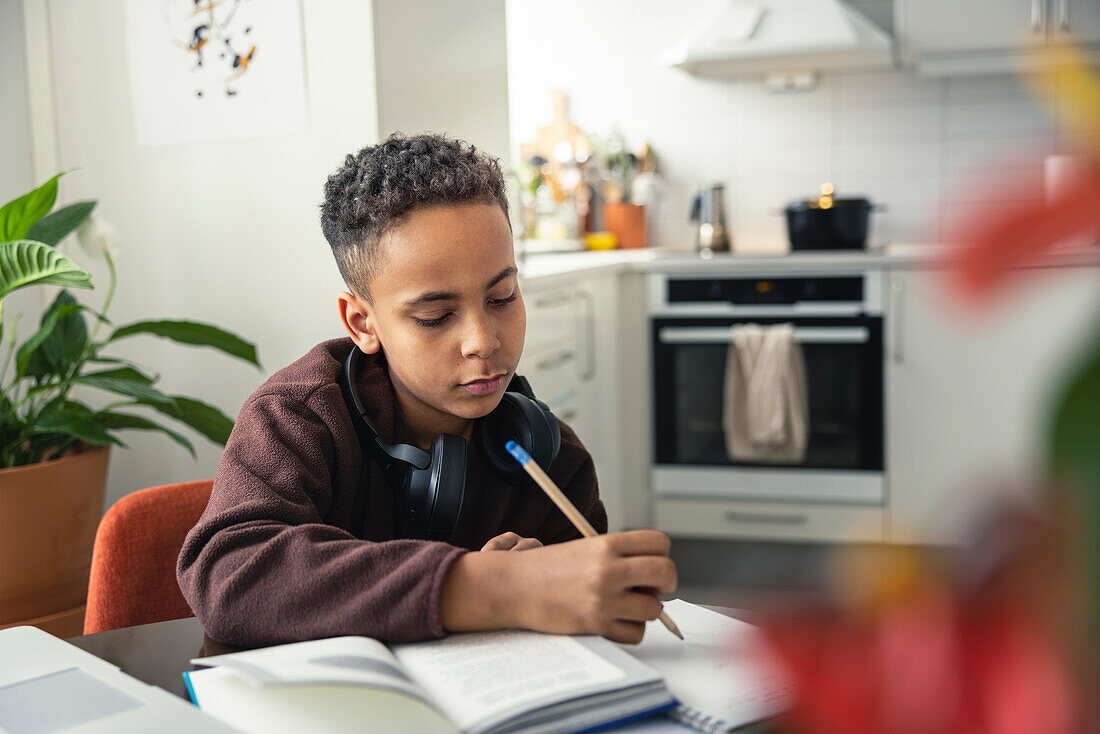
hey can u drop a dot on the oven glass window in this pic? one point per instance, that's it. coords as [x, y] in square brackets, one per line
[844, 389]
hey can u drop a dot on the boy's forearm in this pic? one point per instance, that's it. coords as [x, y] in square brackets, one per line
[479, 593]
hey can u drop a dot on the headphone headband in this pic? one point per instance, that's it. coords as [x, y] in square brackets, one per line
[400, 452]
[431, 484]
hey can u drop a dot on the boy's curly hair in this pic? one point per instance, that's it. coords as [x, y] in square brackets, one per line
[375, 189]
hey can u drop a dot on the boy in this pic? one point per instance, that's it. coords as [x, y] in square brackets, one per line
[303, 536]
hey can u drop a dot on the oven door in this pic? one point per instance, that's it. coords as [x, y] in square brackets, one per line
[844, 454]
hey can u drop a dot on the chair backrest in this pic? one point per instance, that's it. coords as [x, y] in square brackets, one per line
[133, 577]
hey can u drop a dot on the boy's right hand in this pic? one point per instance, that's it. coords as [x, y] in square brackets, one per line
[604, 585]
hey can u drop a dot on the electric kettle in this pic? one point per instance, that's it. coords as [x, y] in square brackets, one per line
[708, 214]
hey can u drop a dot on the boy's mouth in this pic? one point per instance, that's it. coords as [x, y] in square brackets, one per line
[487, 386]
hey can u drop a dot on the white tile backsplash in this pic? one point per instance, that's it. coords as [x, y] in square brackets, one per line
[877, 88]
[896, 122]
[967, 119]
[926, 148]
[886, 156]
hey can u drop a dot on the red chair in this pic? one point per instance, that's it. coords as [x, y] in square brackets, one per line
[133, 577]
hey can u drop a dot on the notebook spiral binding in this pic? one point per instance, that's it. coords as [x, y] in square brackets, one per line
[696, 719]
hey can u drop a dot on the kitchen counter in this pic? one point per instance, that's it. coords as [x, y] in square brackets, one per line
[558, 268]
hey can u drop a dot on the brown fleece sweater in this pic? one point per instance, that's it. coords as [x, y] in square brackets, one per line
[275, 557]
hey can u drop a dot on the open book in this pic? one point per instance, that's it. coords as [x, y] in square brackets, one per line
[504, 681]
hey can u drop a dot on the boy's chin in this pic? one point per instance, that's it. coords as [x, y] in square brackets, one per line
[474, 406]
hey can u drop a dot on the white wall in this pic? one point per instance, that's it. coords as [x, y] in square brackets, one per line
[442, 67]
[16, 169]
[226, 233]
[916, 145]
[15, 132]
[229, 232]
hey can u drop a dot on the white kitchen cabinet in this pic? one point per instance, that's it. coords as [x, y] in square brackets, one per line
[553, 355]
[746, 520]
[949, 26]
[977, 36]
[1079, 19]
[968, 394]
[570, 357]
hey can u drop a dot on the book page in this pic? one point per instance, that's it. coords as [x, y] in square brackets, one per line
[721, 669]
[358, 661]
[475, 677]
[227, 695]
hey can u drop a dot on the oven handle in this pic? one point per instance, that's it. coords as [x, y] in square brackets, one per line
[802, 335]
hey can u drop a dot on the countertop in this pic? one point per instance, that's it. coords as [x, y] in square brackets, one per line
[558, 268]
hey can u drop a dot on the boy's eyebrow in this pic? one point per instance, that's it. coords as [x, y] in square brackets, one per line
[432, 296]
[501, 276]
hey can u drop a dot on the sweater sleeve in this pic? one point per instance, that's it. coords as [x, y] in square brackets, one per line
[577, 478]
[262, 566]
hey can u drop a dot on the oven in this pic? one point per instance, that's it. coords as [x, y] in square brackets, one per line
[837, 320]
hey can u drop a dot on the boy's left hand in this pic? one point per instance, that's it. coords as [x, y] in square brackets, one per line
[511, 541]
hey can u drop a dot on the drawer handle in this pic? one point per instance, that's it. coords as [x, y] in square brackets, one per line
[768, 517]
[556, 361]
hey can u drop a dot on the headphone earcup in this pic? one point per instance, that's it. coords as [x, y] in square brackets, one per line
[527, 421]
[433, 495]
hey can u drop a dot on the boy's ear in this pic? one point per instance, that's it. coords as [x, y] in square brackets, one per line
[357, 315]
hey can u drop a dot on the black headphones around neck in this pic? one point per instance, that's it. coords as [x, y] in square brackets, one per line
[431, 483]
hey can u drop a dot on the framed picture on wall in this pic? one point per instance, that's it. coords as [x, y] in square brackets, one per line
[211, 70]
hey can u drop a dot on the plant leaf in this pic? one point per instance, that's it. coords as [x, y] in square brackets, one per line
[26, 262]
[64, 345]
[18, 215]
[1074, 453]
[49, 323]
[122, 363]
[206, 419]
[129, 373]
[53, 227]
[192, 332]
[126, 420]
[84, 426]
[131, 388]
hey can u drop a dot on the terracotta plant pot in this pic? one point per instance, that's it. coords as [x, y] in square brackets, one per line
[48, 517]
[627, 222]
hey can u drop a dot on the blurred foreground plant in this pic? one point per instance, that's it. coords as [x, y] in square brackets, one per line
[1002, 637]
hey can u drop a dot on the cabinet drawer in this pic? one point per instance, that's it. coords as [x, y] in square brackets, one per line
[769, 521]
[552, 317]
[553, 373]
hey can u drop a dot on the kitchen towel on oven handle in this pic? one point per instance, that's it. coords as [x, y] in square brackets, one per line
[765, 407]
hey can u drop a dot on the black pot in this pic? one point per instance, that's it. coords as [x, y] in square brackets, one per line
[841, 226]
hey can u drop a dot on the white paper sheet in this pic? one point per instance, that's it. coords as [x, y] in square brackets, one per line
[721, 669]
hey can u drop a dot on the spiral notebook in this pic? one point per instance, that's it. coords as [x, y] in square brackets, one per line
[722, 673]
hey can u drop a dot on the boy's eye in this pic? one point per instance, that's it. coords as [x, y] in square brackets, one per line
[431, 322]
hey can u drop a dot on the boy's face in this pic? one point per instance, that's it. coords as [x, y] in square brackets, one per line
[447, 311]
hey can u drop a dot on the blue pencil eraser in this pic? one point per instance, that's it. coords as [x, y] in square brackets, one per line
[517, 452]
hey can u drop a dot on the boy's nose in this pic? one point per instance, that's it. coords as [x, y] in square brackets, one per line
[480, 340]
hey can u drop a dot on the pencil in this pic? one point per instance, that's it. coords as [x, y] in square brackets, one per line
[570, 510]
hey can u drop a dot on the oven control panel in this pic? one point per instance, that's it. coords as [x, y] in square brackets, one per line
[854, 293]
[764, 290]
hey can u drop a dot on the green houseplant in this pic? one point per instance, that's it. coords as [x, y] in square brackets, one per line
[53, 444]
[40, 418]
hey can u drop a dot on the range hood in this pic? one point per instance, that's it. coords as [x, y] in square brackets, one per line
[753, 37]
